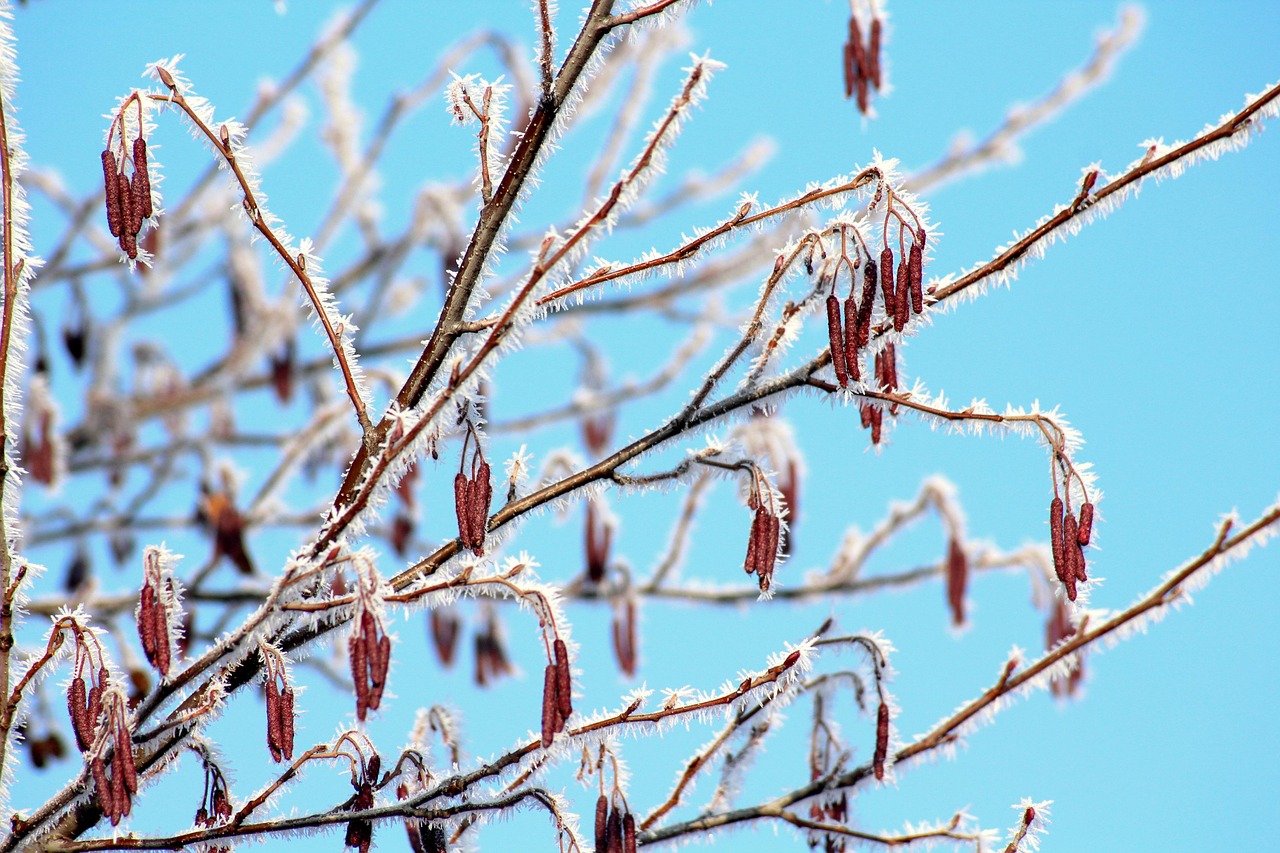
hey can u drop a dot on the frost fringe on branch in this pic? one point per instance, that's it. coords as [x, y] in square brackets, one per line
[829, 289]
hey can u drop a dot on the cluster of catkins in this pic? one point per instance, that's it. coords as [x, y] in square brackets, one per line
[154, 616]
[1069, 537]
[902, 294]
[471, 498]
[557, 694]
[128, 198]
[100, 721]
[370, 651]
[280, 716]
[762, 542]
[862, 62]
[615, 828]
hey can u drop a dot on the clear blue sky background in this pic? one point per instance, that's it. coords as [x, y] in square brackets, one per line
[1154, 330]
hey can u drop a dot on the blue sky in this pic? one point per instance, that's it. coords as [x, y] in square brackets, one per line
[1171, 746]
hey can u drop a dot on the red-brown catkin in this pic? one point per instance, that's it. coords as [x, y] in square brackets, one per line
[865, 309]
[141, 178]
[882, 740]
[915, 277]
[110, 169]
[1055, 538]
[128, 233]
[1086, 523]
[886, 281]
[564, 684]
[873, 54]
[550, 709]
[602, 824]
[481, 494]
[957, 580]
[273, 720]
[850, 70]
[837, 341]
[78, 708]
[857, 48]
[628, 833]
[902, 308]
[754, 541]
[286, 721]
[851, 320]
[462, 507]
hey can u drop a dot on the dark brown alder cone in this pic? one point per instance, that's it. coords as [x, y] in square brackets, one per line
[902, 308]
[1055, 538]
[867, 306]
[1086, 523]
[835, 336]
[564, 682]
[141, 180]
[851, 320]
[957, 580]
[115, 213]
[882, 740]
[886, 282]
[915, 277]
